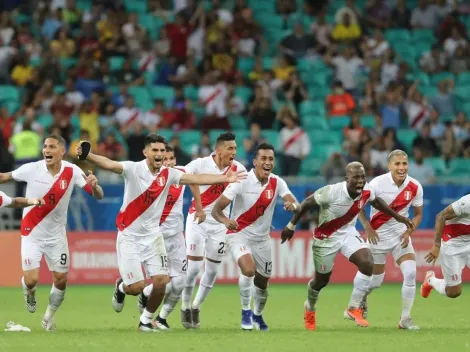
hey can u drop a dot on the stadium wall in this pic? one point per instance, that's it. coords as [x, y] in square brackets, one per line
[93, 260]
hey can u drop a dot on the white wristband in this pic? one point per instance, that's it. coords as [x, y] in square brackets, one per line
[290, 226]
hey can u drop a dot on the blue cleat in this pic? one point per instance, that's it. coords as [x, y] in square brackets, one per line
[259, 323]
[247, 321]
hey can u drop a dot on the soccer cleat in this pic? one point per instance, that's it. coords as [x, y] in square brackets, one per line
[356, 314]
[426, 287]
[118, 297]
[407, 324]
[259, 323]
[186, 319]
[48, 325]
[195, 316]
[147, 327]
[30, 301]
[141, 302]
[247, 321]
[310, 320]
[161, 324]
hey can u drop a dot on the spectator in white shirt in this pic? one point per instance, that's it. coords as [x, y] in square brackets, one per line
[347, 66]
[433, 61]
[424, 16]
[420, 171]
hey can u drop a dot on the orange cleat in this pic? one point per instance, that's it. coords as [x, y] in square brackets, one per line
[426, 287]
[357, 314]
[310, 320]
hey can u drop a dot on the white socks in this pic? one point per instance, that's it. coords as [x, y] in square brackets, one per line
[194, 268]
[26, 289]
[206, 284]
[408, 290]
[439, 285]
[146, 317]
[245, 285]
[56, 297]
[261, 296]
[312, 298]
[361, 288]
[147, 290]
[172, 297]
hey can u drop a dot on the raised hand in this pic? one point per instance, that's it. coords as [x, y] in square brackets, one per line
[236, 176]
[91, 179]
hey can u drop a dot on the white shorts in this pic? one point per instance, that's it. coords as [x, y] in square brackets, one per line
[206, 239]
[453, 259]
[135, 251]
[390, 245]
[56, 253]
[176, 251]
[239, 245]
[324, 251]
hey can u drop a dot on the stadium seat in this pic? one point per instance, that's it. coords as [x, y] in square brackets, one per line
[407, 136]
[338, 122]
[459, 166]
[45, 121]
[436, 78]
[139, 93]
[167, 133]
[423, 35]
[68, 62]
[438, 165]
[9, 93]
[116, 62]
[189, 138]
[245, 65]
[312, 122]
[237, 122]
[272, 136]
[311, 167]
[244, 93]
[213, 134]
[397, 35]
[162, 92]
[463, 78]
[139, 6]
[312, 107]
[191, 92]
[324, 137]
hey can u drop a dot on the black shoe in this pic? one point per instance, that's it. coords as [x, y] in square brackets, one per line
[161, 324]
[195, 316]
[147, 327]
[142, 302]
[186, 319]
[118, 298]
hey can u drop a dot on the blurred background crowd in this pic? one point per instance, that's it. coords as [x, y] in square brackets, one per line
[326, 82]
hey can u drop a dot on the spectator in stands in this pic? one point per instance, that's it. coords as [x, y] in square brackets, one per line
[351, 10]
[425, 142]
[375, 46]
[346, 31]
[62, 46]
[62, 106]
[7, 30]
[460, 62]
[433, 61]
[453, 42]
[321, 30]
[128, 75]
[437, 128]
[347, 67]
[251, 142]
[354, 131]
[213, 95]
[72, 95]
[401, 15]
[294, 144]
[261, 113]
[378, 14]
[443, 102]
[416, 107]
[333, 169]
[298, 44]
[378, 129]
[424, 16]
[419, 170]
[111, 148]
[379, 156]
[202, 149]
[178, 33]
[26, 145]
[133, 34]
[339, 102]
[450, 23]
[84, 136]
[129, 114]
[72, 15]
[52, 23]
[22, 71]
[295, 90]
[389, 69]
[450, 147]
[89, 120]
[461, 127]
[180, 155]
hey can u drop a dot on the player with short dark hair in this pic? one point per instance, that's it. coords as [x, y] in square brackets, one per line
[248, 229]
[206, 239]
[43, 228]
[340, 205]
[140, 240]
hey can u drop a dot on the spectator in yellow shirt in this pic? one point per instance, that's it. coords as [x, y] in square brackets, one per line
[89, 121]
[22, 71]
[347, 31]
[62, 46]
[283, 70]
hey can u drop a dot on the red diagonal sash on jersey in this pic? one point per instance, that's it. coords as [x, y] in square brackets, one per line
[293, 139]
[257, 210]
[139, 205]
[173, 196]
[455, 230]
[400, 202]
[1, 201]
[52, 198]
[211, 194]
[418, 118]
[133, 118]
[328, 228]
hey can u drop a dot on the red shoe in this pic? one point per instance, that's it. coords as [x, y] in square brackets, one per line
[426, 287]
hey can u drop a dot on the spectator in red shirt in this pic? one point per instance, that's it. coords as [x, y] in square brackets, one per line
[178, 33]
[111, 148]
[340, 102]
[354, 131]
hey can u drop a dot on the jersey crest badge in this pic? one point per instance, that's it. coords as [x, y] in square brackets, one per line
[161, 181]
[269, 193]
[63, 184]
[361, 204]
[407, 195]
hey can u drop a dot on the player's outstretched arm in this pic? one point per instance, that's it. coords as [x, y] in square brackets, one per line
[218, 213]
[20, 202]
[441, 218]
[288, 231]
[207, 179]
[5, 177]
[199, 214]
[104, 163]
[379, 204]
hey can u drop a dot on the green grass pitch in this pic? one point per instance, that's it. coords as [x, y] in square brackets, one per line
[87, 322]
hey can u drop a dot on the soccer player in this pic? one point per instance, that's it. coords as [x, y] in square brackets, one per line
[386, 235]
[248, 228]
[340, 205]
[18, 202]
[43, 228]
[206, 239]
[172, 227]
[140, 240]
[452, 241]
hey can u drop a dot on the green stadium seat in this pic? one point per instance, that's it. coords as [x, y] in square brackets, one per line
[213, 134]
[162, 92]
[139, 93]
[45, 121]
[459, 166]
[397, 35]
[438, 165]
[463, 78]
[436, 78]
[423, 77]
[312, 107]
[35, 61]
[191, 92]
[407, 136]
[116, 62]
[244, 93]
[423, 35]
[75, 122]
[189, 138]
[12, 106]
[237, 122]
[320, 137]
[167, 133]
[312, 122]
[272, 136]
[462, 92]
[139, 6]
[268, 63]
[428, 91]
[68, 62]
[311, 167]
[368, 121]
[338, 122]
[245, 65]
[466, 108]
[9, 93]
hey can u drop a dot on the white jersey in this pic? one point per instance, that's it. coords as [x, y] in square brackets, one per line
[5, 200]
[338, 211]
[254, 203]
[457, 230]
[210, 193]
[172, 220]
[49, 221]
[144, 198]
[399, 199]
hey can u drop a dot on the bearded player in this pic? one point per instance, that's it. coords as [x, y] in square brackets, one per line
[43, 228]
[386, 235]
[248, 228]
[340, 205]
